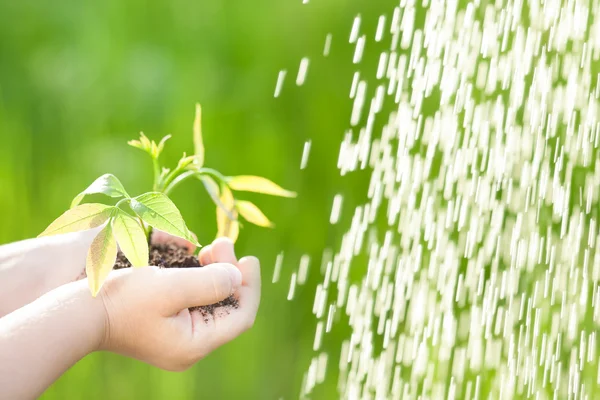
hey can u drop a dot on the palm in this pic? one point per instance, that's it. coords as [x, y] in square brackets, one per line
[227, 323]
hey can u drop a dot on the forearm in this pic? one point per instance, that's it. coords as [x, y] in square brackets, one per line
[40, 341]
[30, 268]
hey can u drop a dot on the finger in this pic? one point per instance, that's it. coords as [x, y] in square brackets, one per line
[249, 293]
[250, 269]
[205, 256]
[189, 287]
[161, 237]
[242, 318]
[222, 251]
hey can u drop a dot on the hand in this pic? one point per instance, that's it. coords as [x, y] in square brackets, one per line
[141, 312]
[33, 267]
[146, 309]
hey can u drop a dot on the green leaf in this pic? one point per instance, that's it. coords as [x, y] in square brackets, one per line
[106, 184]
[158, 211]
[131, 238]
[80, 218]
[253, 214]
[198, 142]
[258, 184]
[100, 259]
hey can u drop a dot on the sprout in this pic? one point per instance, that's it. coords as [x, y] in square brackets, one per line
[129, 223]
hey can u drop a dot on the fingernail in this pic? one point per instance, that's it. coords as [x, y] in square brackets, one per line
[235, 275]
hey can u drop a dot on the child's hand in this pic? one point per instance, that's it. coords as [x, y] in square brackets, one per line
[33, 267]
[147, 314]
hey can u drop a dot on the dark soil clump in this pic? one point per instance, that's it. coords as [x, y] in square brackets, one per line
[173, 256]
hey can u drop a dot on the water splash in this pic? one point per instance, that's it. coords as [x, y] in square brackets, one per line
[485, 173]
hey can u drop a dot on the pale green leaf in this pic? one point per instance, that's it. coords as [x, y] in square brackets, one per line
[101, 259]
[158, 211]
[258, 184]
[253, 214]
[227, 226]
[80, 218]
[131, 238]
[106, 184]
[198, 142]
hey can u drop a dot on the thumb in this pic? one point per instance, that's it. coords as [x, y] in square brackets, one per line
[190, 287]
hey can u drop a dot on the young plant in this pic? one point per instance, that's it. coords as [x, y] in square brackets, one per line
[128, 224]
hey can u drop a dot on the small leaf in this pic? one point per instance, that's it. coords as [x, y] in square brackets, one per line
[161, 145]
[258, 184]
[143, 144]
[136, 143]
[101, 259]
[80, 218]
[158, 211]
[107, 184]
[198, 142]
[131, 238]
[227, 227]
[185, 161]
[163, 175]
[154, 149]
[145, 141]
[253, 214]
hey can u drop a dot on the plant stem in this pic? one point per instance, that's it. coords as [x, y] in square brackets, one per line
[173, 183]
[122, 201]
[156, 167]
[177, 180]
[215, 174]
[146, 231]
[170, 178]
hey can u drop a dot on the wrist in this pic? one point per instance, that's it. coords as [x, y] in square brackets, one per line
[33, 267]
[43, 339]
[67, 252]
[85, 314]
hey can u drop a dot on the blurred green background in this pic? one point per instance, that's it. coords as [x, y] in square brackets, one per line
[79, 79]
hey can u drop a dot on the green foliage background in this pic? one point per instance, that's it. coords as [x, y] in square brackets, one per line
[79, 79]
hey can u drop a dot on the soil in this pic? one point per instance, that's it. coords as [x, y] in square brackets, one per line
[173, 256]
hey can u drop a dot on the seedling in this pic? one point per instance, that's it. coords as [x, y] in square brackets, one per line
[130, 221]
